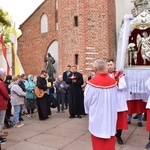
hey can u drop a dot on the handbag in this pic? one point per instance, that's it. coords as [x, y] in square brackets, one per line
[53, 101]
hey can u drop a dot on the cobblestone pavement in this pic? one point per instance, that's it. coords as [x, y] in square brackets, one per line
[61, 133]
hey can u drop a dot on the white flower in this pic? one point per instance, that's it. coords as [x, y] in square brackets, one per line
[131, 46]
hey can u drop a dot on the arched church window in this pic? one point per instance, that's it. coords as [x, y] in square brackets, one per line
[44, 23]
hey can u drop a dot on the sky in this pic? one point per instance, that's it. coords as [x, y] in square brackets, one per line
[19, 10]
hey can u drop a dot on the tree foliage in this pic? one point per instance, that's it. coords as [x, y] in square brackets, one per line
[4, 18]
[5, 25]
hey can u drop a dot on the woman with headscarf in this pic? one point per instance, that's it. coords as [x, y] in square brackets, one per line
[30, 97]
[17, 100]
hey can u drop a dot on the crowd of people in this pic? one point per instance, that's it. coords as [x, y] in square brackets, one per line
[21, 94]
[17, 98]
[102, 96]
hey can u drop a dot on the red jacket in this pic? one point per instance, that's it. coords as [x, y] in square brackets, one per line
[4, 97]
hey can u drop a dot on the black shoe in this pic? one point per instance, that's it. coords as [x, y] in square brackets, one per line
[72, 116]
[140, 124]
[135, 117]
[119, 140]
[79, 116]
[7, 126]
[148, 145]
[24, 113]
[43, 118]
[21, 119]
[129, 122]
[3, 140]
[10, 123]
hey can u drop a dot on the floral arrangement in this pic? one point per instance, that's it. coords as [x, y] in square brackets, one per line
[130, 47]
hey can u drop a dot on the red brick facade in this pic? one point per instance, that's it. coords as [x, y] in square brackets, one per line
[94, 37]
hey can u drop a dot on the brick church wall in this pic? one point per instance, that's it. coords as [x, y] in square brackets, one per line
[94, 37]
[33, 45]
[72, 38]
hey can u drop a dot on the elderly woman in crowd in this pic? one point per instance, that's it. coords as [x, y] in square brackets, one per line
[17, 100]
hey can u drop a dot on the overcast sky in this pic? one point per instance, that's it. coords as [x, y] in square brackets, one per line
[19, 10]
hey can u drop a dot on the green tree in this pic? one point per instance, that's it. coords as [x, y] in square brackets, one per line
[5, 25]
[4, 18]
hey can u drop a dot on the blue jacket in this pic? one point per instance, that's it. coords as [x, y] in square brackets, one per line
[29, 86]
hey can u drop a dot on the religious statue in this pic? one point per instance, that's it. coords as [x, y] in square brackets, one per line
[143, 44]
[50, 68]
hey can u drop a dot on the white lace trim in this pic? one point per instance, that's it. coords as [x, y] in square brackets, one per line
[136, 79]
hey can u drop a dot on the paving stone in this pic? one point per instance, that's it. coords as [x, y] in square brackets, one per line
[74, 124]
[51, 140]
[78, 145]
[29, 146]
[21, 135]
[8, 144]
[59, 132]
[129, 147]
[137, 140]
[86, 137]
[63, 132]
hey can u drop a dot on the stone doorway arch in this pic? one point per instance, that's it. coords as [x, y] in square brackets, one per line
[53, 50]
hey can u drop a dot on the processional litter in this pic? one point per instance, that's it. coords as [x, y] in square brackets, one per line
[133, 54]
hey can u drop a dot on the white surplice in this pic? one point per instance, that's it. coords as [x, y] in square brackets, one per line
[147, 84]
[101, 105]
[122, 95]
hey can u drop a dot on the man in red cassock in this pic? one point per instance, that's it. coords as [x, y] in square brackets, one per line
[121, 100]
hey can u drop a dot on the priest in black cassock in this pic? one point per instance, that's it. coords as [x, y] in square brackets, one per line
[76, 106]
[43, 102]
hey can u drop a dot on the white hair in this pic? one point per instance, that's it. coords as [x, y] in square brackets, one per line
[99, 64]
